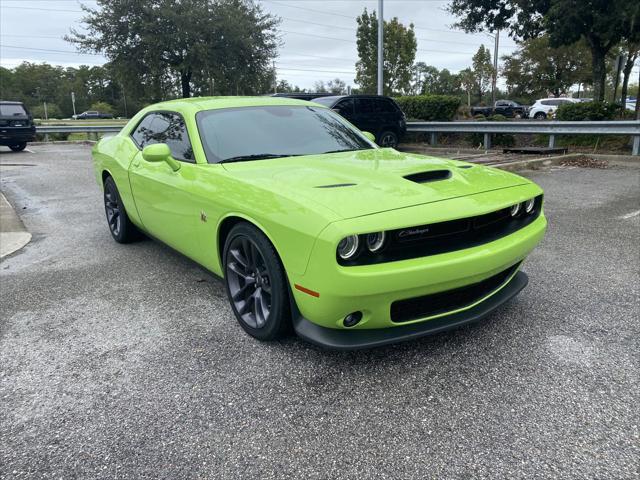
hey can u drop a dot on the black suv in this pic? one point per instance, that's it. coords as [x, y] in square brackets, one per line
[16, 126]
[371, 113]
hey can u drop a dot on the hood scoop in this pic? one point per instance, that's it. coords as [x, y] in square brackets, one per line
[429, 176]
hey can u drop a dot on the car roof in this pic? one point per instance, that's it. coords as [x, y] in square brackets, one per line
[10, 102]
[197, 104]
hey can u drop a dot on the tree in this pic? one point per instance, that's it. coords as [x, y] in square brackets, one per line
[468, 81]
[482, 70]
[536, 69]
[400, 48]
[601, 23]
[164, 42]
[335, 86]
[631, 52]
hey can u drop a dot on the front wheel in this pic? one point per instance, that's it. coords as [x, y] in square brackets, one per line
[256, 283]
[388, 139]
[121, 228]
[18, 147]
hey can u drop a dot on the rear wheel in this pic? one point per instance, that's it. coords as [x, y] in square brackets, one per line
[121, 228]
[540, 116]
[388, 139]
[18, 147]
[256, 283]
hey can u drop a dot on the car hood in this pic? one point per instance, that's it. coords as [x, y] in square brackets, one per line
[353, 184]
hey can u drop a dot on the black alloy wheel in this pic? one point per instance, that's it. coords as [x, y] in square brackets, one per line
[388, 139]
[121, 228]
[255, 283]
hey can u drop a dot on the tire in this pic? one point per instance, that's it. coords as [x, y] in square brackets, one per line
[18, 147]
[540, 116]
[388, 139]
[121, 228]
[256, 283]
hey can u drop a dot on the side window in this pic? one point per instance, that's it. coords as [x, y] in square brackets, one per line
[345, 106]
[502, 103]
[169, 128]
[365, 105]
[385, 106]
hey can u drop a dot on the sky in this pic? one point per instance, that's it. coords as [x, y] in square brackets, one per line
[318, 37]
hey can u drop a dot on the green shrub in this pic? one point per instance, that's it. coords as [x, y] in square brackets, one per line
[102, 107]
[578, 112]
[53, 111]
[429, 108]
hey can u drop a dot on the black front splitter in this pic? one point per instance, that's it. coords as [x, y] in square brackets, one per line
[359, 339]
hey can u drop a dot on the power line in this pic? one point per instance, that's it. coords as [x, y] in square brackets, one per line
[49, 50]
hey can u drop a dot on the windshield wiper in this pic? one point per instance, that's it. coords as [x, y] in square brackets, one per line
[257, 156]
[347, 150]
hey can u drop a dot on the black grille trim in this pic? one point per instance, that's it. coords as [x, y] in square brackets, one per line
[443, 302]
[453, 235]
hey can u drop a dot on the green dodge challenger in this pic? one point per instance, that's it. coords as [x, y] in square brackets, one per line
[313, 226]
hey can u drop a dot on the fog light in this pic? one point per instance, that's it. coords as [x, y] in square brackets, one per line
[528, 205]
[352, 319]
[515, 210]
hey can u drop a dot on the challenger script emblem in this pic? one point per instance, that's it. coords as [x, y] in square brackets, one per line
[413, 232]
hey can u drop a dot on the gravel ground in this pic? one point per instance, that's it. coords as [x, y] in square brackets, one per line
[126, 362]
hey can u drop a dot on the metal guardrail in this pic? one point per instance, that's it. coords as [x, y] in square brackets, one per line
[551, 128]
[43, 129]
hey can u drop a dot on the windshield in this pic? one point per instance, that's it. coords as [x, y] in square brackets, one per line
[11, 109]
[256, 133]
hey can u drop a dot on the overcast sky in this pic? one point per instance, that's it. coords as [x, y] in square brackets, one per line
[318, 36]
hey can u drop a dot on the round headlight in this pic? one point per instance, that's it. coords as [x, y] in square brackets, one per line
[375, 241]
[348, 247]
[515, 210]
[528, 205]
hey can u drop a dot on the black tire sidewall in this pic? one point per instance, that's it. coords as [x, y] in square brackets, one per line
[128, 231]
[540, 116]
[279, 320]
[18, 147]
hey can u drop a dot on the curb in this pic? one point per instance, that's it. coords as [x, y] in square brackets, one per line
[13, 234]
[537, 163]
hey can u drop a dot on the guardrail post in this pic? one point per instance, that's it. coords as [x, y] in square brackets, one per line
[487, 141]
[552, 141]
[636, 146]
[434, 139]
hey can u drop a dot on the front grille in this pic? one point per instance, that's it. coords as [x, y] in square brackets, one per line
[443, 302]
[450, 236]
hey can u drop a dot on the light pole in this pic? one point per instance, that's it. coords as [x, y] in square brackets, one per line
[380, 47]
[73, 102]
[494, 79]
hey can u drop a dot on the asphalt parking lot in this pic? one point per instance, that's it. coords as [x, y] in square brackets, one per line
[126, 362]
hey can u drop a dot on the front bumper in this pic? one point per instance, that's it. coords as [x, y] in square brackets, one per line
[338, 291]
[360, 339]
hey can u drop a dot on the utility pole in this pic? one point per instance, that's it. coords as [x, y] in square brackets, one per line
[495, 68]
[275, 79]
[380, 47]
[73, 102]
